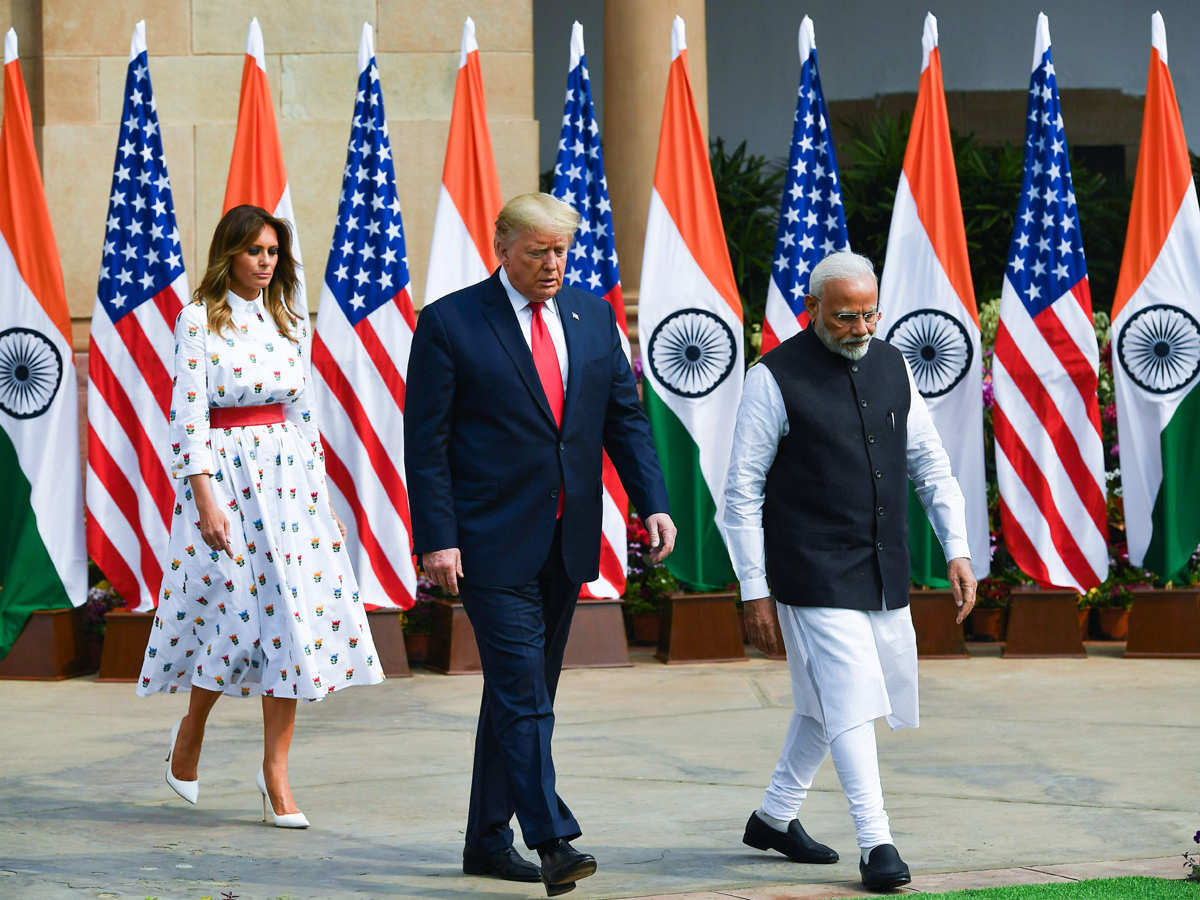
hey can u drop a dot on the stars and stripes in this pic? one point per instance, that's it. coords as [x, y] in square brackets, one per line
[1049, 455]
[141, 289]
[812, 222]
[360, 352]
[592, 265]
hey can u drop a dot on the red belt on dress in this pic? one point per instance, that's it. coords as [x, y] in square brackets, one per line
[240, 416]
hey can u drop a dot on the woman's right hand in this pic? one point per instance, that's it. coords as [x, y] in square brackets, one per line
[214, 524]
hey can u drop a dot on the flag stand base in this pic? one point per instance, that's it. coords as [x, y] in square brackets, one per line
[389, 642]
[597, 639]
[700, 628]
[1043, 624]
[1164, 624]
[452, 648]
[51, 647]
[125, 636]
[933, 615]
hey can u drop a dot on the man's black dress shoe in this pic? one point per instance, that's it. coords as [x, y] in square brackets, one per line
[562, 866]
[884, 869]
[795, 843]
[507, 864]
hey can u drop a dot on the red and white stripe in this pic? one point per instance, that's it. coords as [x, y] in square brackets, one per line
[1049, 454]
[130, 493]
[359, 378]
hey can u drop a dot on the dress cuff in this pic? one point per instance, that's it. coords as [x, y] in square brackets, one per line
[957, 548]
[755, 589]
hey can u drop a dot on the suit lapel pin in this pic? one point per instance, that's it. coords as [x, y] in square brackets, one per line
[575, 316]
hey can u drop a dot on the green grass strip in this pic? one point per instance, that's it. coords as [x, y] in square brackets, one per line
[1129, 888]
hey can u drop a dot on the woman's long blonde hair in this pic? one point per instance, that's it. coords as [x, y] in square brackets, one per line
[238, 230]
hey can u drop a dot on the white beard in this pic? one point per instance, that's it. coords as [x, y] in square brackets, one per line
[853, 348]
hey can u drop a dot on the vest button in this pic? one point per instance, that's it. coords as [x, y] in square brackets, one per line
[870, 438]
[554, 494]
[879, 546]
[880, 510]
[878, 474]
[854, 368]
[862, 402]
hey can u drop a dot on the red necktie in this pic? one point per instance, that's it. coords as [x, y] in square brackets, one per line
[545, 358]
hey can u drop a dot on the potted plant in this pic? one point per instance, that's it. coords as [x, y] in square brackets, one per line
[417, 623]
[646, 586]
[101, 598]
[989, 617]
[1113, 598]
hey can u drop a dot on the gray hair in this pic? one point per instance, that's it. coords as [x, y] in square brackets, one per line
[843, 265]
[536, 212]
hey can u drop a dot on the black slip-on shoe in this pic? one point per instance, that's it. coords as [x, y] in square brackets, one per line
[507, 864]
[794, 843]
[884, 870]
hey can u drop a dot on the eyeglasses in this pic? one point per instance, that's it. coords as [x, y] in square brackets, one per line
[846, 319]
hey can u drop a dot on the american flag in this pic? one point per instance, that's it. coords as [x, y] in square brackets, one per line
[1049, 456]
[131, 354]
[360, 353]
[592, 265]
[812, 222]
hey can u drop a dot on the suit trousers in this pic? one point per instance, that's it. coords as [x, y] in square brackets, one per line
[521, 633]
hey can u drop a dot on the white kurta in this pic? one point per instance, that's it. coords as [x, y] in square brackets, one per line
[852, 665]
[283, 616]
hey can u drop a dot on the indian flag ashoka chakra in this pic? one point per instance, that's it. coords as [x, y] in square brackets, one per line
[937, 349]
[691, 352]
[31, 369]
[1159, 348]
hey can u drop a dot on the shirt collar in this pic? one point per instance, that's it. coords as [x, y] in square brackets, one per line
[236, 302]
[520, 301]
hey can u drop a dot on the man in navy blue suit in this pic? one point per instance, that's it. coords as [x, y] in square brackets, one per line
[515, 385]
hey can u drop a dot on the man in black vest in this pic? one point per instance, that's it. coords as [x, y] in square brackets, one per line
[829, 430]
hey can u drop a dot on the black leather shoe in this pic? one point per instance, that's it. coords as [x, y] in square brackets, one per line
[507, 864]
[884, 869]
[562, 866]
[795, 843]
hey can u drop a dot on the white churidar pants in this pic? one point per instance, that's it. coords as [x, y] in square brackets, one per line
[848, 668]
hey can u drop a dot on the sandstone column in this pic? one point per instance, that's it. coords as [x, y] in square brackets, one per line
[637, 56]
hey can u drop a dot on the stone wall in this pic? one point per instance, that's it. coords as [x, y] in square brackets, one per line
[75, 54]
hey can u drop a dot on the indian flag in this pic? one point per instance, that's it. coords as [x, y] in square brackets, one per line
[256, 172]
[1156, 337]
[460, 252]
[43, 564]
[690, 322]
[928, 304]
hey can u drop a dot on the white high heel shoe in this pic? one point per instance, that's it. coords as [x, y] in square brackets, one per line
[188, 790]
[288, 820]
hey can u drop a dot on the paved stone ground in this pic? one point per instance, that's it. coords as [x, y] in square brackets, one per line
[1023, 770]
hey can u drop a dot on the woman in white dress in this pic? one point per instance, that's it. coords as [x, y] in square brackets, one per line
[258, 596]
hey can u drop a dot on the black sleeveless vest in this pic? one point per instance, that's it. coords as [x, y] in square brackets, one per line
[835, 516]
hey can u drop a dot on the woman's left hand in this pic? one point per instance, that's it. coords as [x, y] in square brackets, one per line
[341, 527]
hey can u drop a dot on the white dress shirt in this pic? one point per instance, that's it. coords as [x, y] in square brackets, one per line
[762, 422]
[550, 316]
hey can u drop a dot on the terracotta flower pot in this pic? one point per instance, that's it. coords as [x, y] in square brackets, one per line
[644, 627]
[417, 647]
[1114, 622]
[988, 624]
[1085, 617]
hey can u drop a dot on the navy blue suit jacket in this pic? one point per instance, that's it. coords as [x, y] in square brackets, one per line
[484, 458]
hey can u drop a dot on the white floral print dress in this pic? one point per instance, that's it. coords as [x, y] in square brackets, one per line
[283, 617]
